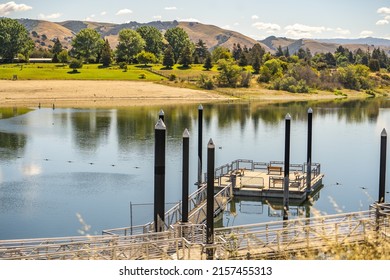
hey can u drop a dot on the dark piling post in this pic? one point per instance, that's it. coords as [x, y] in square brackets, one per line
[159, 176]
[161, 115]
[309, 148]
[382, 167]
[286, 167]
[200, 139]
[210, 197]
[186, 159]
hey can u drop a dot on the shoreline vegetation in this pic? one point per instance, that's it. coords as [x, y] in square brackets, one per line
[91, 72]
[45, 84]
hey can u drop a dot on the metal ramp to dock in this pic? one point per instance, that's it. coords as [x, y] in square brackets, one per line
[282, 239]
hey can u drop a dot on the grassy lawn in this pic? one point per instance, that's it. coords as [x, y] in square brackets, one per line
[53, 71]
[57, 71]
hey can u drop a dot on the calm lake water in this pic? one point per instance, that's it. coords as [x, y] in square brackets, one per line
[57, 163]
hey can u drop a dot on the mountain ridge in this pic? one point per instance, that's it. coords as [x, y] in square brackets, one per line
[43, 34]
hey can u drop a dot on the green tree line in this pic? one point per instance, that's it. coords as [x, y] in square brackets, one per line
[300, 72]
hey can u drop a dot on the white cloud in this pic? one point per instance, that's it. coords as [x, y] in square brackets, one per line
[51, 16]
[189, 19]
[341, 31]
[383, 10]
[170, 8]
[124, 12]
[366, 33]
[268, 27]
[236, 24]
[157, 17]
[301, 30]
[90, 18]
[382, 22]
[255, 17]
[7, 8]
[387, 17]
[103, 13]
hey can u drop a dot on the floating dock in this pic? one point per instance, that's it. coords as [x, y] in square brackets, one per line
[266, 180]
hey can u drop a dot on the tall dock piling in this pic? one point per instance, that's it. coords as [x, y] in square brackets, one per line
[382, 167]
[210, 197]
[309, 148]
[200, 139]
[159, 175]
[186, 156]
[286, 167]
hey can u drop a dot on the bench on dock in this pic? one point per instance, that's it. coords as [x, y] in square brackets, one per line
[274, 169]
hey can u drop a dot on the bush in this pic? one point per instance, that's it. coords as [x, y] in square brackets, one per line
[123, 65]
[172, 77]
[246, 78]
[205, 82]
[142, 76]
[75, 64]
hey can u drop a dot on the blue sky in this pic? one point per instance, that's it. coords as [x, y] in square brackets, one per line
[255, 18]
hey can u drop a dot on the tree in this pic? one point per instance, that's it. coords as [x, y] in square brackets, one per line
[106, 55]
[153, 39]
[168, 60]
[256, 65]
[230, 73]
[201, 51]
[87, 45]
[146, 58]
[75, 64]
[63, 56]
[13, 39]
[208, 63]
[130, 44]
[279, 52]
[220, 53]
[374, 65]
[243, 60]
[57, 48]
[186, 57]
[178, 39]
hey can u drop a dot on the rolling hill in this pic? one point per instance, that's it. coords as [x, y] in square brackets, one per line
[44, 32]
[325, 45]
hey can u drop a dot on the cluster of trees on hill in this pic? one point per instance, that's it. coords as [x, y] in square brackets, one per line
[299, 72]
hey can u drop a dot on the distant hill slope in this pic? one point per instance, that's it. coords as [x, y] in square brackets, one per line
[213, 36]
[44, 32]
[325, 45]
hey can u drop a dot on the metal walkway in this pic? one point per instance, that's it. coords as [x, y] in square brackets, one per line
[280, 239]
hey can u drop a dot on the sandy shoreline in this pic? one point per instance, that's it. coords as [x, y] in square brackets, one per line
[119, 93]
[97, 94]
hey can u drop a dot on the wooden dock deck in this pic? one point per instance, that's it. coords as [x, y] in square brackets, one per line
[265, 180]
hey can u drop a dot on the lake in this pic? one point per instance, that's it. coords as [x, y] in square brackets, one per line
[56, 164]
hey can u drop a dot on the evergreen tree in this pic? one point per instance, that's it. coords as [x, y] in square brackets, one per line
[57, 48]
[243, 61]
[208, 63]
[287, 53]
[256, 65]
[106, 55]
[186, 57]
[237, 51]
[279, 52]
[200, 51]
[168, 60]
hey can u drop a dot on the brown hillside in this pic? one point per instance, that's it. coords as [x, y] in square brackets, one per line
[215, 36]
[44, 32]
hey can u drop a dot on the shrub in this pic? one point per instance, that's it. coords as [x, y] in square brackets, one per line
[205, 82]
[75, 64]
[172, 77]
[246, 78]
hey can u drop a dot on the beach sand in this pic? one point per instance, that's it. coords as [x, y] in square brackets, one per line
[87, 94]
[97, 94]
